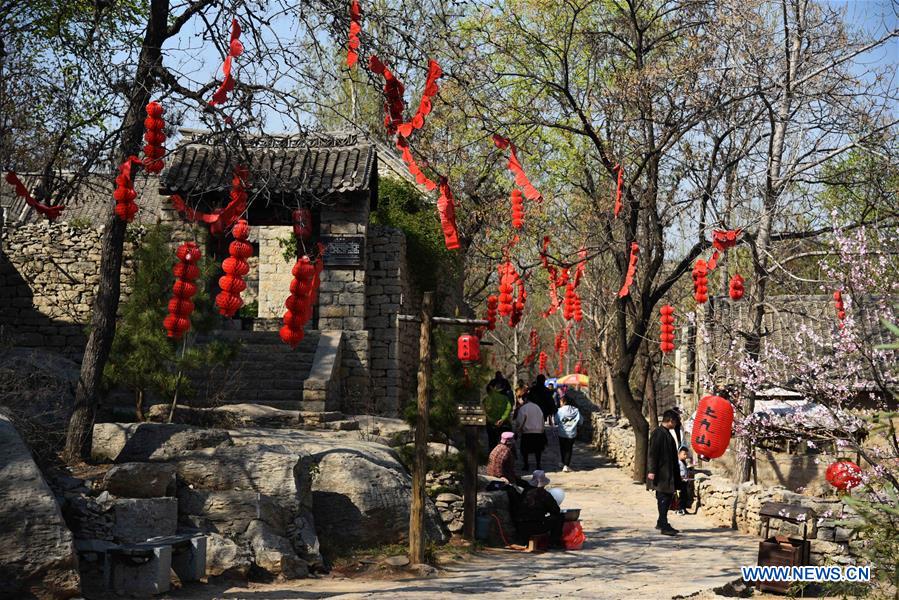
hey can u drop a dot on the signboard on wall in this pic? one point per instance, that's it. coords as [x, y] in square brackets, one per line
[344, 251]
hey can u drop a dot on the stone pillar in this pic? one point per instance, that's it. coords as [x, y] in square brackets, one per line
[274, 271]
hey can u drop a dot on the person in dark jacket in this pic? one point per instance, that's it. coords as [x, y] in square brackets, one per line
[537, 512]
[542, 396]
[663, 470]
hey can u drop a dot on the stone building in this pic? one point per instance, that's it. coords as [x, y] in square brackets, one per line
[355, 357]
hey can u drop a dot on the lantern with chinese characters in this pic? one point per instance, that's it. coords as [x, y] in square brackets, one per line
[736, 287]
[155, 138]
[700, 282]
[666, 338]
[302, 224]
[844, 475]
[177, 322]
[469, 349]
[712, 427]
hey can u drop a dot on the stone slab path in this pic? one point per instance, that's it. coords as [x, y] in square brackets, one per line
[624, 557]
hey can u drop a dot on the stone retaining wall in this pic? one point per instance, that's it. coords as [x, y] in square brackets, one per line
[737, 505]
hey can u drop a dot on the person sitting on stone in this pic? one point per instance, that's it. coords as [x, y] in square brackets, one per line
[501, 463]
[537, 512]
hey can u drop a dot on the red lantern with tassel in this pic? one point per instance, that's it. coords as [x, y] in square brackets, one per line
[700, 282]
[666, 338]
[844, 475]
[177, 322]
[736, 288]
[154, 135]
[468, 349]
[517, 209]
[302, 224]
[235, 267]
[712, 427]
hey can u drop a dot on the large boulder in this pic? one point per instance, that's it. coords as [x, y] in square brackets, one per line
[37, 552]
[226, 558]
[140, 480]
[140, 442]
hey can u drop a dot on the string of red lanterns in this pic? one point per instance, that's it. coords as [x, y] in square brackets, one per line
[700, 282]
[666, 338]
[219, 219]
[506, 283]
[426, 104]
[722, 240]
[124, 194]
[631, 271]
[235, 49]
[352, 55]
[51, 212]
[235, 267]
[736, 289]
[154, 135]
[541, 361]
[514, 165]
[517, 209]
[619, 186]
[446, 208]
[186, 271]
[303, 293]
[518, 304]
[840, 307]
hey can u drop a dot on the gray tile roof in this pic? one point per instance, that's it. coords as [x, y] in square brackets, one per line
[312, 165]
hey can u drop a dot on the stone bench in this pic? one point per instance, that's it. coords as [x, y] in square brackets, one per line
[145, 568]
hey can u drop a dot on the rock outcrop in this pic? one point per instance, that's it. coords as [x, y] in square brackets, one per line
[37, 553]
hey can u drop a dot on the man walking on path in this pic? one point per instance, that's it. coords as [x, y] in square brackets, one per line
[663, 471]
[497, 407]
[567, 418]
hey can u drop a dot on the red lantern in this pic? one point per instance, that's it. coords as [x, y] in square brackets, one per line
[352, 54]
[844, 475]
[666, 338]
[517, 209]
[235, 267]
[155, 138]
[838, 304]
[469, 348]
[570, 301]
[177, 323]
[736, 288]
[542, 361]
[302, 224]
[492, 303]
[303, 293]
[506, 281]
[700, 282]
[124, 193]
[712, 426]
[631, 271]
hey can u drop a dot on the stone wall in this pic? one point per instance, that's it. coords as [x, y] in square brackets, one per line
[737, 505]
[394, 346]
[274, 271]
[49, 273]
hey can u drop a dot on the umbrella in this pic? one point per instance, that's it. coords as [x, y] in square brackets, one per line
[573, 379]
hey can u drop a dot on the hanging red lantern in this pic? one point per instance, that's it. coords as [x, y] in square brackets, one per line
[712, 426]
[578, 309]
[518, 304]
[235, 267]
[492, 303]
[468, 349]
[569, 303]
[177, 322]
[517, 209]
[700, 282]
[302, 224]
[303, 295]
[542, 362]
[235, 49]
[124, 193]
[507, 277]
[154, 135]
[667, 336]
[722, 240]
[844, 475]
[352, 54]
[838, 304]
[631, 271]
[736, 288]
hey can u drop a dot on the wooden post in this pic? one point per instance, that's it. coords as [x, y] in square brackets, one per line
[470, 482]
[417, 512]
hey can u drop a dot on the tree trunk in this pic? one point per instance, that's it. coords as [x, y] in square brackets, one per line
[139, 405]
[649, 395]
[106, 303]
[632, 412]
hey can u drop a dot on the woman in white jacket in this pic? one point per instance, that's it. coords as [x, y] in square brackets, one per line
[567, 418]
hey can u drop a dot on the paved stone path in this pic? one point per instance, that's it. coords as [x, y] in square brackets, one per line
[624, 557]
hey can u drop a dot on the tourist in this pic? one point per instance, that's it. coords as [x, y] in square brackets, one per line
[663, 470]
[497, 407]
[530, 425]
[500, 384]
[537, 512]
[685, 492]
[567, 419]
[501, 463]
[542, 396]
[520, 398]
